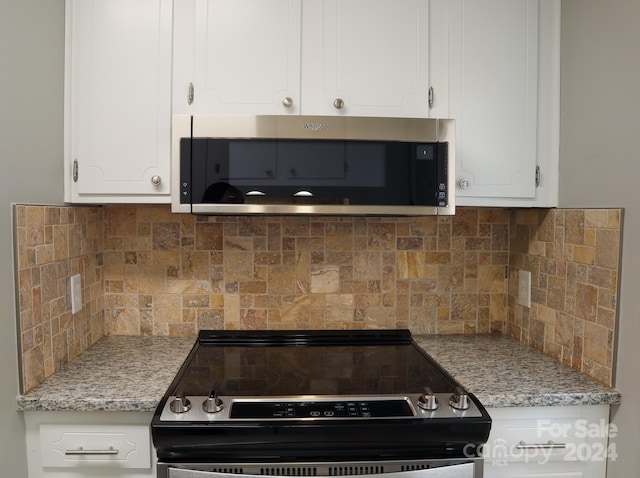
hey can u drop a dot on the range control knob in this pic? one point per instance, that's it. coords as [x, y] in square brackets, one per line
[212, 404]
[459, 400]
[428, 401]
[180, 404]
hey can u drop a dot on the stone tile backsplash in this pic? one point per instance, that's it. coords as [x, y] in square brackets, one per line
[147, 271]
[52, 244]
[168, 274]
[574, 258]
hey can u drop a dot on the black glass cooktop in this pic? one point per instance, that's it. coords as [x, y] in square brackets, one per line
[262, 364]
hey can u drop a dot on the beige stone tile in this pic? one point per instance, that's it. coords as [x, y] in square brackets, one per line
[33, 368]
[122, 220]
[339, 308]
[166, 258]
[596, 218]
[526, 216]
[232, 310]
[574, 226]
[590, 235]
[34, 225]
[253, 319]
[607, 248]
[491, 279]
[325, 279]
[167, 307]
[281, 280]
[595, 343]
[209, 236]
[465, 222]
[584, 254]
[60, 242]
[586, 301]
[238, 266]
[151, 279]
[411, 264]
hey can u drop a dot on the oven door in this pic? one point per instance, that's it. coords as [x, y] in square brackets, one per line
[443, 468]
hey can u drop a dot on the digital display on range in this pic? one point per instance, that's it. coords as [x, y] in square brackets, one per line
[322, 409]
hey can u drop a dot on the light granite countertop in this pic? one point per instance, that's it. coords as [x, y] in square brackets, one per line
[132, 374]
[117, 373]
[501, 372]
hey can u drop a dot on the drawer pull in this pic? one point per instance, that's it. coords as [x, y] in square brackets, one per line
[82, 451]
[550, 445]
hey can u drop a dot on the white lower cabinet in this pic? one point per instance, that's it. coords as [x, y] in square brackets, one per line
[89, 444]
[550, 442]
[525, 442]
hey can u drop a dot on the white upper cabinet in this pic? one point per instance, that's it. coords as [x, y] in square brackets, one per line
[348, 57]
[237, 56]
[117, 100]
[491, 65]
[504, 94]
[369, 58]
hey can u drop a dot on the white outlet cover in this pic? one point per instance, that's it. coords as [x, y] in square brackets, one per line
[524, 288]
[76, 293]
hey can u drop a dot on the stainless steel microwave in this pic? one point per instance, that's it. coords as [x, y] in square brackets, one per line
[312, 165]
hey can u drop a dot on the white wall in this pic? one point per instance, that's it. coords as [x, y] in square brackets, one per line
[600, 166]
[31, 89]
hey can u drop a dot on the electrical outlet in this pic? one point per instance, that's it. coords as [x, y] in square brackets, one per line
[76, 293]
[524, 289]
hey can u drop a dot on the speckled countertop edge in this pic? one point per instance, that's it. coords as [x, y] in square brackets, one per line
[501, 372]
[121, 373]
[117, 373]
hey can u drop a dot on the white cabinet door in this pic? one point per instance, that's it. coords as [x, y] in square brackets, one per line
[548, 442]
[496, 77]
[78, 444]
[242, 57]
[373, 59]
[117, 105]
[370, 58]
[494, 86]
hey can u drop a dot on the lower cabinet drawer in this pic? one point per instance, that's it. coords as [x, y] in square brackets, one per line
[119, 446]
[535, 440]
[568, 442]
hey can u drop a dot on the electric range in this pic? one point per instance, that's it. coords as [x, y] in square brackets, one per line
[250, 402]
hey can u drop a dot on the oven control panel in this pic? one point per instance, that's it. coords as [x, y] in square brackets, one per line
[433, 406]
[322, 409]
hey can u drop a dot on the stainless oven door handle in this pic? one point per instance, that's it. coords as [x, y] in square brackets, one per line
[465, 470]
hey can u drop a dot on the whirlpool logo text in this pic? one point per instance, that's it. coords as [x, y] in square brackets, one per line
[316, 126]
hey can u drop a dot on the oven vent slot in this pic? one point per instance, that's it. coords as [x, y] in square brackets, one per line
[355, 470]
[289, 471]
[415, 467]
[232, 471]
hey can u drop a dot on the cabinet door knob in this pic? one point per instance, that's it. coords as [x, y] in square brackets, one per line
[338, 103]
[464, 183]
[156, 180]
[287, 102]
